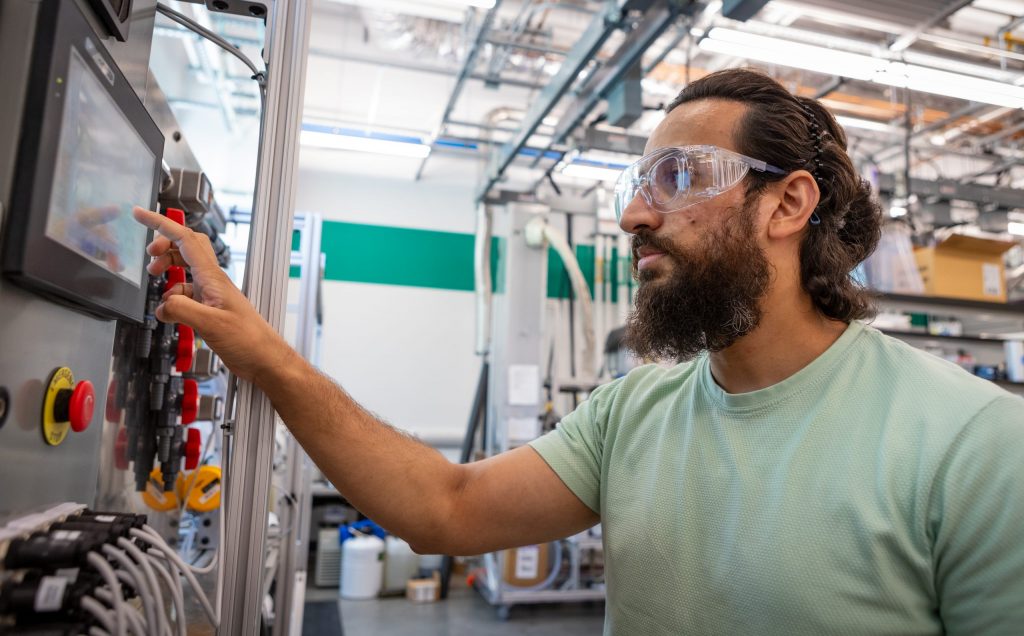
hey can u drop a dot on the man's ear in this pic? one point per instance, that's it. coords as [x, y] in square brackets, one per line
[798, 195]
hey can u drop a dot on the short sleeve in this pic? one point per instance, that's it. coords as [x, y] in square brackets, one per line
[575, 449]
[976, 520]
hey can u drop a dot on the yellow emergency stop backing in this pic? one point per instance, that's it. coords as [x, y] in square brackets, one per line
[54, 432]
[201, 489]
[154, 495]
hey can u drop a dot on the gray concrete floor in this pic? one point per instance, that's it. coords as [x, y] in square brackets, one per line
[465, 612]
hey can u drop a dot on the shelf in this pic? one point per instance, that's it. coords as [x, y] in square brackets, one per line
[899, 333]
[1013, 308]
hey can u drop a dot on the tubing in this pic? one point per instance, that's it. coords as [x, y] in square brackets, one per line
[582, 292]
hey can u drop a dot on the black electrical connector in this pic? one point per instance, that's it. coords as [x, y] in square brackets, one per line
[53, 550]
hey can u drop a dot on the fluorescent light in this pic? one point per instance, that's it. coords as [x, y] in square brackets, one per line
[863, 67]
[596, 173]
[866, 124]
[1016, 228]
[367, 143]
[789, 53]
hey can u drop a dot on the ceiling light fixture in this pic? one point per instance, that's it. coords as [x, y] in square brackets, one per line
[866, 124]
[1015, 228]
[317, 136]
[862, 67]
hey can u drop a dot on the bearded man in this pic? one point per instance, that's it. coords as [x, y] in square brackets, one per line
[794, 472]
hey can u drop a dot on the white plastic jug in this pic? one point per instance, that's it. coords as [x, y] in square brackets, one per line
[362, 568]
[400, 564]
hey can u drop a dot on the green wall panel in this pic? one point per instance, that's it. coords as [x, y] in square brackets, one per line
[385, 255]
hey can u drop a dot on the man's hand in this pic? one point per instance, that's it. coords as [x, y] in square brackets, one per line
[211, 303]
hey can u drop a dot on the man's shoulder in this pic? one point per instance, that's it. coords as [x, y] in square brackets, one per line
[897, 369]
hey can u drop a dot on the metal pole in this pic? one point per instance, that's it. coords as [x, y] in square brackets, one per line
[247, 483]
[289, 596]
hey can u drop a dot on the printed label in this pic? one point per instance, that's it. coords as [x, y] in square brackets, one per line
[527, 562]
[70, 574]
[66, 535]
[105, 518]
[50, 594]
[992, 282]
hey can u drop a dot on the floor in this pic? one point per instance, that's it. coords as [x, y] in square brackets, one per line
[465, 612]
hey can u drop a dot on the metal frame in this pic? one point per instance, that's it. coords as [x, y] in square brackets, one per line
[247, 480]
[289, 597]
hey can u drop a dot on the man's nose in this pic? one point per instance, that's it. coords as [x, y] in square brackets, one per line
[639, 215]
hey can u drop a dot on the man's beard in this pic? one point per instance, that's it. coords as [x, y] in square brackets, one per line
[709, 300]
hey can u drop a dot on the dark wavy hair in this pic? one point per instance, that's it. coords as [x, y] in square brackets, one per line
[777, 128]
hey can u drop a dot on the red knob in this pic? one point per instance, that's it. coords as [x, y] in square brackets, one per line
[193, 446]
[190, 402]
[176, 215]
[186, 348]
[175, 275]
[112, 411]
[81, 406]
[121, 450]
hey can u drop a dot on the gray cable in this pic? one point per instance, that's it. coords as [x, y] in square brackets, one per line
[133, 575]
[177, 594]
[100, 564]
[99, 612]
[151, 536]
[143, 561]
[192, 25]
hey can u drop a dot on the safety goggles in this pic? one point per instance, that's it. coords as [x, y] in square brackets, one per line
[670, 179]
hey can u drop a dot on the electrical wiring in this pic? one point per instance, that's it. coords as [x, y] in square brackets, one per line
[143, 561]
[98, 611]
[137, 580]
[100, 565]
[151, 536]
[177, 594]
[97, 631]
[136, 621]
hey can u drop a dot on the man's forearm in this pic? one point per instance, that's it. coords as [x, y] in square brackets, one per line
[397, 481]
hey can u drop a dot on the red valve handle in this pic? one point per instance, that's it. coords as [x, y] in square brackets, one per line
[176, 215]
[190, 402]
[175, 275]
[121, 450]
[193, 446]
[81, 406]
[186, 348]
[113, 413]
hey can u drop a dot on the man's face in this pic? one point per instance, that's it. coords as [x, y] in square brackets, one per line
[702, 270]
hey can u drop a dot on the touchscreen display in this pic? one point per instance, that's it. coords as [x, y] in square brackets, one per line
[103, 169]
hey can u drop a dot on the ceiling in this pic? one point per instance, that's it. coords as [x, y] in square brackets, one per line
[390, 67]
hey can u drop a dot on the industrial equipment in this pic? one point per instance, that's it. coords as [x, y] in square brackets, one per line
[101, 405]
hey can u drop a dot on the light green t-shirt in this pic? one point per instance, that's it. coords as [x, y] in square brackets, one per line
[879, 490]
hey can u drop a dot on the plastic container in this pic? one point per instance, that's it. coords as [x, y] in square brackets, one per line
[362, 568]
[1014, 360]
[400, 564]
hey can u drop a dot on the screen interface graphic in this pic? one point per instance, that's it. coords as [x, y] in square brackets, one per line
[103, 170]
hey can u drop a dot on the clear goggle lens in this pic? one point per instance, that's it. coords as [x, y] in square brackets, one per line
[671, 179]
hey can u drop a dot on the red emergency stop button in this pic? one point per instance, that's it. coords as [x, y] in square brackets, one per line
[175, 275]
[193, 446]
[186, 348]
[190, 402]
[75, 406]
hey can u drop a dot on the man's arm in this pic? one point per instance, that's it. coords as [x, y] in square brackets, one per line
[409, 488]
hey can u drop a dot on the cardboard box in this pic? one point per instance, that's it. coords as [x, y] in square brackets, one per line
[964, 266]
[424, 590]
[528, 565]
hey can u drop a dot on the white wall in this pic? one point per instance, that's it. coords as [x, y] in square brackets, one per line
[405, 353]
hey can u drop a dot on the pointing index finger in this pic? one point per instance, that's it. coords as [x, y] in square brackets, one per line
[160, 223]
